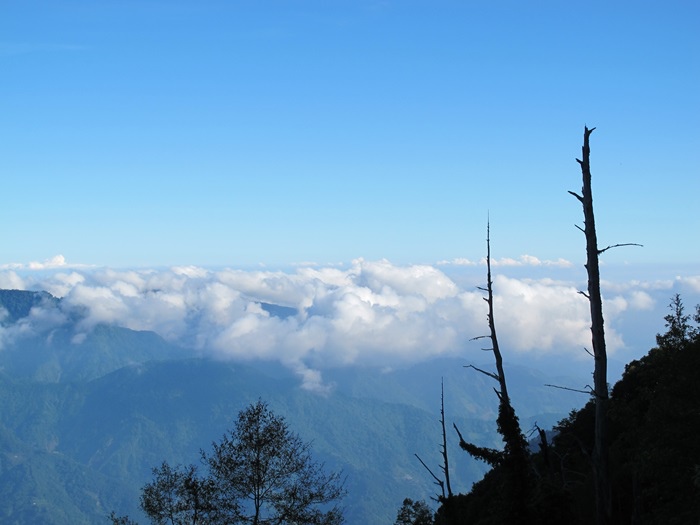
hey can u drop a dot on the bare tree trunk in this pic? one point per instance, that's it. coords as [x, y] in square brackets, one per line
[515, 458]
[445, 464]
[503, 395]
[600, 380]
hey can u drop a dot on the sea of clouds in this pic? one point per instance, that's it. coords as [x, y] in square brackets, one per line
[366, 313]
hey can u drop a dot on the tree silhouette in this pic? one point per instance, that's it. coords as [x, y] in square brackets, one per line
[260, 473]
[600, 372]
[679, 332]
[414, 513]
[263, 473]
[599, 458]
[514, 459]
[178, 496]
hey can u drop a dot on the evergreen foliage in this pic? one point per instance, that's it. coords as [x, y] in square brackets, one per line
[74, 447]
[16, 304]
[178, 496]
[260, 473]
[654, 421]
[513, 462]
[679, 330]
[414, 513]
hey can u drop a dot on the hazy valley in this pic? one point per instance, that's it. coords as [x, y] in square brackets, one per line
[86, 418]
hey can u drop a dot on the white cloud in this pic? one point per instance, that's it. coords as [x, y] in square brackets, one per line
[61, 284]
[9, 280]
[527, 260]
[103, 305]
[540, 315]
[641, 300]
[57, 261]
[420, 280]
[523, 260]
[190, 271]
[459, 261]
[372, 312]
[692, 283]
[42, 318]
[312, 380]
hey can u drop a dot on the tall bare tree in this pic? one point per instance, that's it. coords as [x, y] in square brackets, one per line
[600, 371]
[445, 463]
[514, 459]
[444, 495]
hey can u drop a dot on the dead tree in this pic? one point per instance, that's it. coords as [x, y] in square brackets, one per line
[514, 460]
[600, 371]
[445, 486]
[445, 463]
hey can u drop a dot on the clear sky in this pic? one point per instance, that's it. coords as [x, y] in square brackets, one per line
[233, 133]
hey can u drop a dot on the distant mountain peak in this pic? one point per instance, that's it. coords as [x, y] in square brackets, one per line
[18, 303]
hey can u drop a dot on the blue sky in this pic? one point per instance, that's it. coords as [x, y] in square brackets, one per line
[232, 133]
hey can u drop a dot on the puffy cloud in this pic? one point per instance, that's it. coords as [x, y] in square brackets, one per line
[420, 280]
[190, 271]
[102, 304]
[61, 284]
[371, 312]
[641, 300]
[42, 318]
[9, 280]
[540, 315]
[55, 262]
[692, 283]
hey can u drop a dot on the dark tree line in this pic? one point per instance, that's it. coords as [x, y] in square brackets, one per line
[653, 421]
[514, 459]
[513, 494]
[630, 456]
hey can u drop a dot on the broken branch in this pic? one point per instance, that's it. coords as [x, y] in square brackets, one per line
[619, 245]
[589, 392]
[490, 374]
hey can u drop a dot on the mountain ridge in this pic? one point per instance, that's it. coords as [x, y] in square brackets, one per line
[119, 402]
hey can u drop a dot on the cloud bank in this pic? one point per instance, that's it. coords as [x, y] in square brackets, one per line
[369, 313]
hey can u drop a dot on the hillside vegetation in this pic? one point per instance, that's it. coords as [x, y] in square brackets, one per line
[654, 420]
[85, 419]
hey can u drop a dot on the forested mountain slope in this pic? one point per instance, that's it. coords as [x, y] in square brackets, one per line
[86, 414]
[654, 422]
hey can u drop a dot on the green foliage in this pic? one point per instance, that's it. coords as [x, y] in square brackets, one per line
[414, 513]
[120, 520]
[654, 423]
[178, 496]
[119, 426]
[84, 422]
[512, 493]
[679, 332]
[259, 473]
[657, 422]
[17, 304]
